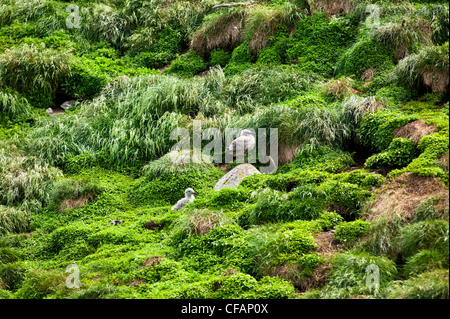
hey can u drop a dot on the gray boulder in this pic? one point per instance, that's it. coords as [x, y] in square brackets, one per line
[234, 177]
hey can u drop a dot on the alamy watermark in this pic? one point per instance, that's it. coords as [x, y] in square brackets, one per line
[238, 143]
[373, 277]
[73, 279]
[373, 19]
[73, 20]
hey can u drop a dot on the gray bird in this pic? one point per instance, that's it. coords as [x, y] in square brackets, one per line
[243, 143]
[116, 222]
[189, 198]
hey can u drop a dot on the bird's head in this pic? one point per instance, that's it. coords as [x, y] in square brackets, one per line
[247, 133]
[190, 192]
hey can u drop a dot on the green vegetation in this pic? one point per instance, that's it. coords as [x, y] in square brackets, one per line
[362, 114]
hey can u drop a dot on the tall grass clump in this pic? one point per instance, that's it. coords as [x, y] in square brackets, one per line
[14, 105]
[220, 30]
[104, 22]
[431, 235]
[197, 222]
[400, 36]
[438, 14]
[27, 68]
[131, 121]
[429, 68]
[25, 182]
[13, 220]
[261, 23]
[38, 72]
[266, 84]
[176, 161]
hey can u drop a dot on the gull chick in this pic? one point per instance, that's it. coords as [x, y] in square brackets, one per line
[189, 198]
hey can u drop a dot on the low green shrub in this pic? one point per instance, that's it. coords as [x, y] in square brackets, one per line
[366, 53]
[152, 60]
[394, 94]
[322, 158]
[350, 232]
[361, 177]
[187, 65]
[376, 131]
[73, 164]
[226, 199]
[284, 246]
[347, 199]
[431, 147]
[318, 42]
[241, 60]
[329, 220]
[89, 76]
[400, 153]
[219, 57]
[86, 79]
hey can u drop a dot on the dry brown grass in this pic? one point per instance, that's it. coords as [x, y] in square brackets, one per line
[339, 87]
[444, 161]
[152, 261]
[286, 153]
[327, 246]
[334, 7]
[224, 32]
[262, 23]
[203, 224]
[415, 131]
[291, 273]
[71, 203]
[367, 75]
[404, 194]
[437, 80]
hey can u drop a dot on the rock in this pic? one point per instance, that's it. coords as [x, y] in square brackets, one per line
[49, 111]
[68, 104]
[234, 177]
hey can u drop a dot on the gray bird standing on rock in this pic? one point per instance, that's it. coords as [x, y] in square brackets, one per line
[189, 198]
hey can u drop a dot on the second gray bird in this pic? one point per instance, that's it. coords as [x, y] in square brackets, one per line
[189, 198]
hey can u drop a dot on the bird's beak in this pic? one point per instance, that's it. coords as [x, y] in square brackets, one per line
[195, 193]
